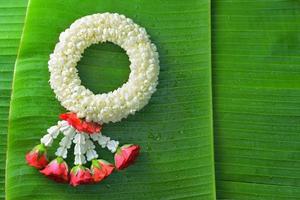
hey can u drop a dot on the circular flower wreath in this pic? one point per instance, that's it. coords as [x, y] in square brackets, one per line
[90, 111]
[115, 105]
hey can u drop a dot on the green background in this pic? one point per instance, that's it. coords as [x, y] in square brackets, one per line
[12, 15]
[223, 124]
[174, 130]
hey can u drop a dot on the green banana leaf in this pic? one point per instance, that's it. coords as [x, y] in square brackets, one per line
[256, 100]
[255, 79]
[11, 23]
[174, 130]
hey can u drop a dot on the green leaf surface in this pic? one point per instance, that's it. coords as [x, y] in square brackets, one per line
[256, 73]
[174, 130]
[11, 23]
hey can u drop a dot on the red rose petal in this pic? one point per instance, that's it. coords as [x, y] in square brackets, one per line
[81, 125]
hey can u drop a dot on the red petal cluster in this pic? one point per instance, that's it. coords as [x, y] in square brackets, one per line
[37, 157]
[57, 170]
[101, 169]
[126, 156]
[79, 124]
[80, 175]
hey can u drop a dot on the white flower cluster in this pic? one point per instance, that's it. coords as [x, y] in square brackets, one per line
[101, 139]
[80, 148]
[53, 132]
[90, 152]
[84, 149]
[105, 141]
[115, 105]
[65, 143]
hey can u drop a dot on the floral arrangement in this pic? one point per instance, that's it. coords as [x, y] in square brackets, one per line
[82, 126]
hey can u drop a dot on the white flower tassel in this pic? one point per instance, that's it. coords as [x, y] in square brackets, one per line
[52, 133]
[66, 142]
[80, 148]
[90, 153]
[105, 142]
[101, 139]
[112, 145]
[84, 149]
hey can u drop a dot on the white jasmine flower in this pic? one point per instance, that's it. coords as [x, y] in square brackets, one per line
[66, 142]
[62, 152]
[112, 145]
[79, 160]
[79, 149]
[47, 140]
[64, 128]
[62, 124]
[103, 140]
[95, 136]
[53, 131]
[70, 131]
[91, 154]
[79, 138]
[89, 144]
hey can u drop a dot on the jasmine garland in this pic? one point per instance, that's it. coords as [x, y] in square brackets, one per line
[118, 104]
[82, 126]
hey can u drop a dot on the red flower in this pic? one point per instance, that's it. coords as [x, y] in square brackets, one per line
[101, 169]
[79, 124]
[126, 155]
[37, 157]
[57, 170]
[80, 175]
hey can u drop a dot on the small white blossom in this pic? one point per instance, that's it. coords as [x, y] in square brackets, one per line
[112, 145]
[80, 148]
[91, 154]
[53, 131]
[62, 151]
[47, 140]
[64, 125]
[79, 138]
[95, 136]
[89, 144]
[103, 140]
[79, 159]
[69, 132]
[65, 142]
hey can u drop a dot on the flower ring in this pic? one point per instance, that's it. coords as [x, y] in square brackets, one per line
[82, 126]
[118, 104]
